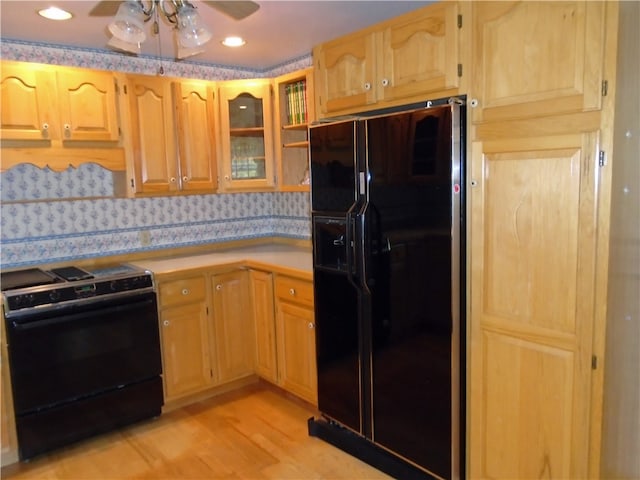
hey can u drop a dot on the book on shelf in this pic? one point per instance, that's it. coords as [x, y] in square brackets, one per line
[296, 102]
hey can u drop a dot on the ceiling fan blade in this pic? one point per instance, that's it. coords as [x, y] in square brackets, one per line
[237, 10]
[105, 8]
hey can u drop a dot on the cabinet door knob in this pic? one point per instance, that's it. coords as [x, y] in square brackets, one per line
[385, 82]
[367, 86]
[219, 287]
[292, 291]
[165, 323]
[67, 130]
[186, 291]
[45, 130]
[185, 179]
[172, 179]
[311, 325]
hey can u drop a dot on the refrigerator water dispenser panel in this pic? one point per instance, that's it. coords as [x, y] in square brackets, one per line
[330, 241]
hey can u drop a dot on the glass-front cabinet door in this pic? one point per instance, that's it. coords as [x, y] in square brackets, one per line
[247, 133]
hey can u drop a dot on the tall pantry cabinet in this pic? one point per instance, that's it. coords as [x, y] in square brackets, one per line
[539, 197]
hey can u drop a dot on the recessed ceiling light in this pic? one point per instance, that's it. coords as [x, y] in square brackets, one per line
[233, 42]
[54, 13]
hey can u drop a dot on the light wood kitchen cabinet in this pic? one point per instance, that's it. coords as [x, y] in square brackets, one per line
[184, 332]
[533, 254]
[295, 337]
[233, 328]
[40, 102]
[409, 58]
[57, 116]
[246, 124]
[540, 200]
[294, 112]
[261, 284]
[173, 136]
[153, 139]
[537, 58]
[195, 103]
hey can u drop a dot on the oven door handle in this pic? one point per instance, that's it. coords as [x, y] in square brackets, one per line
[57, 319]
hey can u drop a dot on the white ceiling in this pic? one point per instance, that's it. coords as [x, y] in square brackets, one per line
[278, 32]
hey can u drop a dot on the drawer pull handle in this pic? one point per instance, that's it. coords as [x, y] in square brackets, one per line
[186, 291]
[292, 291]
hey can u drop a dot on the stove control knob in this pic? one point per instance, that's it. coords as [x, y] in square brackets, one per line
[113, 285]
[54, 295]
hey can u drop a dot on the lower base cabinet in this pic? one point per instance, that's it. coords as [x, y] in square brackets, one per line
[184, 333]
[285, 333]
[220, 326]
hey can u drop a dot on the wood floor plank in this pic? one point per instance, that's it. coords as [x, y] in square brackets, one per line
[252, 433]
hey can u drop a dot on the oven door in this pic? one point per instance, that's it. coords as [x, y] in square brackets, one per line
[82, 350]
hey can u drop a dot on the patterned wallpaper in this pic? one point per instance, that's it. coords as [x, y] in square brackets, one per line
[49, 216]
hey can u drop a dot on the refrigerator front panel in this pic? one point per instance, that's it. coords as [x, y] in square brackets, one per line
[337, 348]
[333, 165]
[407, 251]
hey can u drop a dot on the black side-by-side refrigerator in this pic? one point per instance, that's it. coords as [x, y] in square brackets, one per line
[388, 221]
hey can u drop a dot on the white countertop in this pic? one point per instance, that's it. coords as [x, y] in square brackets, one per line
[290, 258]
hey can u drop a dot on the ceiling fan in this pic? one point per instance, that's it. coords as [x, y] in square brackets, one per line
[237, 9]
[127, 25]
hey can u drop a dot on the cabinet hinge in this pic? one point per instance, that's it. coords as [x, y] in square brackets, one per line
[594, 362]
[115, 84]
[459, 21]
[602, 161]
[133, 185]
[605, 88]
[124, 89]
[459, 69]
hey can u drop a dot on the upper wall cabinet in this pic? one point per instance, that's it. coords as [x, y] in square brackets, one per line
[410, 58]
[294, 112]
[246, 125]
[172, 135]
[40, 103]
[537, 58]
[56, 107]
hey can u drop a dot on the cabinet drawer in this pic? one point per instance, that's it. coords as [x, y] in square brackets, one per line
[185, 290]
[294, 290]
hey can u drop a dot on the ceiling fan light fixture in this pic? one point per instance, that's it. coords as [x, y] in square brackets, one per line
[121, 45]
[190, 31]
[128, 25]
[55, 13]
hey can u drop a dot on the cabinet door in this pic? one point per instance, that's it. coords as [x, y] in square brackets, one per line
[27, 103]
[247, 134]
[533, 246]
[233, 332]
[185, 349]
[537, 58]
[345, 73]
[87, 101]
[265, 325]
[195, 108]
[295, 331]
[153, 135]
[8, 440]
[420, 54]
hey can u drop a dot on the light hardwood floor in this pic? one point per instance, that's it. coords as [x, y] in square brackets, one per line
[252, 433]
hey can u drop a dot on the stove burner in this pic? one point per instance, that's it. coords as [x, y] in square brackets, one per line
[30, 277]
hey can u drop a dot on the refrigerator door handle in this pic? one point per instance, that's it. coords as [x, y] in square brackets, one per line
[349, 246]
[361, 218]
